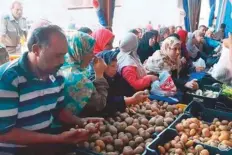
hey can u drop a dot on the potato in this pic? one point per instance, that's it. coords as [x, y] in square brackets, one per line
[151, 130]
[139, 140]
[147, 135]
[170, 108]
[192, 132]
[178, 151]
[159, 129]
[161, 112]
[206, 132]
[124, 138]
[128, 150]
[97, 149]
[178, 146]
[118, 143]
[144, 121]
[129, 120]
[129, 135]
[106, 134]
[189, 143]
[107, 139]
[204, 152]
[199, 148]
[167, 146]
[100, 143]
[115, 136]
[173, 143]
[168, 120]
[132, 144]
[225, 122]
[224, 136]
[122, 126]
[136, 125]
[86, 145]
[179, 127]
[161, 149]
[91, 128]
[94, 137]
[92, 145]
[214, 137]
[112, 129]
[154, 107]
[132, 130]
[186, 124]
[148, 112]
[184, 138]
[193, 126]
[223, 127]
[152, 121]
[159, 121]
[139, 150]
[149, 140]
[169, 114]
[212, 127]
[142, 144]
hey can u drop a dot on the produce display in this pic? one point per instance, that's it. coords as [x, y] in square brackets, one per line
[217, 134]
[181, 145]
[206, 93]
[227, 91]
[130, 132]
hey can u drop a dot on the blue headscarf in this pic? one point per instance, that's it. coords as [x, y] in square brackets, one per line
[108, 56]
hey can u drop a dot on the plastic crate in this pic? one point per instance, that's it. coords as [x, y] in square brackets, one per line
[196, 109]
[209, 102]
[170, 134]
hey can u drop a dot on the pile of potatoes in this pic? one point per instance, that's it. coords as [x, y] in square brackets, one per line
[180, 146]
[217, 134]
[130, 132]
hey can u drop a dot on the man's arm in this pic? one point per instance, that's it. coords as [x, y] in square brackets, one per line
[2, 29]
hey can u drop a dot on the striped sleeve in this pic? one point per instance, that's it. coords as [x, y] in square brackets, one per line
[9, 100]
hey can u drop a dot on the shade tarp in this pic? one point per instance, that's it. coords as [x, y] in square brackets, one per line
[212, 5]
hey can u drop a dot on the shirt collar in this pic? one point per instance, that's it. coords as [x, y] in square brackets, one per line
[24, 64]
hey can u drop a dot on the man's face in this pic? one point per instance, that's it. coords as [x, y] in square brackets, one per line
[17, 10]
[51, 57]
[172, 29]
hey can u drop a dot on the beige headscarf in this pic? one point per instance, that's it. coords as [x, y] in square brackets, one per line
[160, 61]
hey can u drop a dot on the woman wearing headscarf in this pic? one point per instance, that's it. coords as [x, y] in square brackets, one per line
[120, 93]
[168, 59]
[104, 40]
[130, 66]
[80, 92]
[146, 44]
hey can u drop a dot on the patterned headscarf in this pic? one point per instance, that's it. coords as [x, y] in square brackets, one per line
[78, 88]
[160, 61]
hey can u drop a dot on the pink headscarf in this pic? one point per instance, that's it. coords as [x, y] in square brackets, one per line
[102, 37]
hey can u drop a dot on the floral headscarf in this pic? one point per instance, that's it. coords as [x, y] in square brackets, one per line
[102, 37]
[78, 88]
[160, 61]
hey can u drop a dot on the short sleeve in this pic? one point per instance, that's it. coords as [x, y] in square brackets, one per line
[9, 101]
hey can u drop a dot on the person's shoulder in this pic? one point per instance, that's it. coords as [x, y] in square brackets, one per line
[9, 71]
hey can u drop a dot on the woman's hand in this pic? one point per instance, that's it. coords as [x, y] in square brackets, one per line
[99, 67]
[138, 97]
[152, 77]
[192, 85]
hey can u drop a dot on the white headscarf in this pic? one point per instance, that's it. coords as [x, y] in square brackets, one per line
[128, 55]
[160, 61]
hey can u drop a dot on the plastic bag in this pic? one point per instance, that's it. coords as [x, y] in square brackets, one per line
[222, 70]
[199, 63]
[165, 86]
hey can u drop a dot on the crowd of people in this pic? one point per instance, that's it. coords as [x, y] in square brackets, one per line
[65, 80]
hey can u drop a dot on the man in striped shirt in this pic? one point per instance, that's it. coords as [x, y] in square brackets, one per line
[31, 94]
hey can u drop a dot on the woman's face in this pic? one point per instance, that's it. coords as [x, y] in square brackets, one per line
[86, 60]
[152, 41]
[109, 45]
[111, 69]
[174, 51]
[200, 39]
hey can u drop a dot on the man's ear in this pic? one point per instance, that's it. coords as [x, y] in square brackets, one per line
[36, 49]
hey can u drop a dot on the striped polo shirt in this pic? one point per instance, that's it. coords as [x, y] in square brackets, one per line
[25, 101]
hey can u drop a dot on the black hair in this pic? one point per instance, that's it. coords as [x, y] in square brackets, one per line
[136, 32]
[179, 27]
[41, 35]
[85, 30]
[174, 35]
[202, 26]
[223, 26]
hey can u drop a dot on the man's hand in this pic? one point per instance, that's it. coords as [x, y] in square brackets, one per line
[73, 136]
[99, 67]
